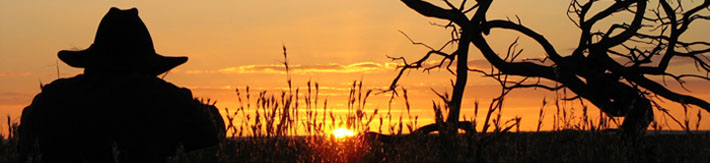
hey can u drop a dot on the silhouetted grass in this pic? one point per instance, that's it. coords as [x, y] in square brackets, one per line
[294, 126]
[308, 122]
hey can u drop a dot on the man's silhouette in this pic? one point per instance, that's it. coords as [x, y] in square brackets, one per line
[118, 107]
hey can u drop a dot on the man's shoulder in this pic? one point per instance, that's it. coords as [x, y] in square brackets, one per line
[64, 83]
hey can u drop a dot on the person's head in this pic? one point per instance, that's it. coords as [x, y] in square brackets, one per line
[122, 45]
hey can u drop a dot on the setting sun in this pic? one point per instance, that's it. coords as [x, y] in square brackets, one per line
[343, 133]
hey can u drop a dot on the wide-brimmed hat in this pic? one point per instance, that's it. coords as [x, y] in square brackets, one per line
[122, 43]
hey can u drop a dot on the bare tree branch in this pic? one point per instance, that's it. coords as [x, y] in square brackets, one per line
[606, 68]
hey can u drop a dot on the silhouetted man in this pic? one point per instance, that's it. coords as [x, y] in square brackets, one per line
[118, 107]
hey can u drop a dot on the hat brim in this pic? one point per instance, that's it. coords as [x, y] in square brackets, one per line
[163, 64]
[73, 58]
[155, 64]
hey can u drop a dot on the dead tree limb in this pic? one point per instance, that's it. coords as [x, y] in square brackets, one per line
[610, 69]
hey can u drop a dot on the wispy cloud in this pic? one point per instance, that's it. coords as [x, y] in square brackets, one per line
[14, 74]
[314, 68]
[14, 98]
[479, 64]
[678, 61]
[326, 68]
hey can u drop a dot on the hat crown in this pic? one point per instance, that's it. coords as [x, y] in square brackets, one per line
[122, 32]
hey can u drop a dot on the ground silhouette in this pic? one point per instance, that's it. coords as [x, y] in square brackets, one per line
[118, 109]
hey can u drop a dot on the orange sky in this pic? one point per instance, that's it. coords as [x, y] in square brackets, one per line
[233, 44]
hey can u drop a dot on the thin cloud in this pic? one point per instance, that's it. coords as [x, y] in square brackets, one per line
[14, 74]
[677, 61]
[479, 64]
[315, 68]
[14, 98]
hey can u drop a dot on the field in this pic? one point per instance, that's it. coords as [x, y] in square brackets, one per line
[295, 125]
[565, 146]
[560, 146]
[264, 131]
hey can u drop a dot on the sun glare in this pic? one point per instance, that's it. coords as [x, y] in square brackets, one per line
[343, 133]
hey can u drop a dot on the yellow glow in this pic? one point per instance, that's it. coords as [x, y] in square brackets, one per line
[343, 133]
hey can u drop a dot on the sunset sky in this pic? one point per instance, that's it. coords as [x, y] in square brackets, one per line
[233, 44]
